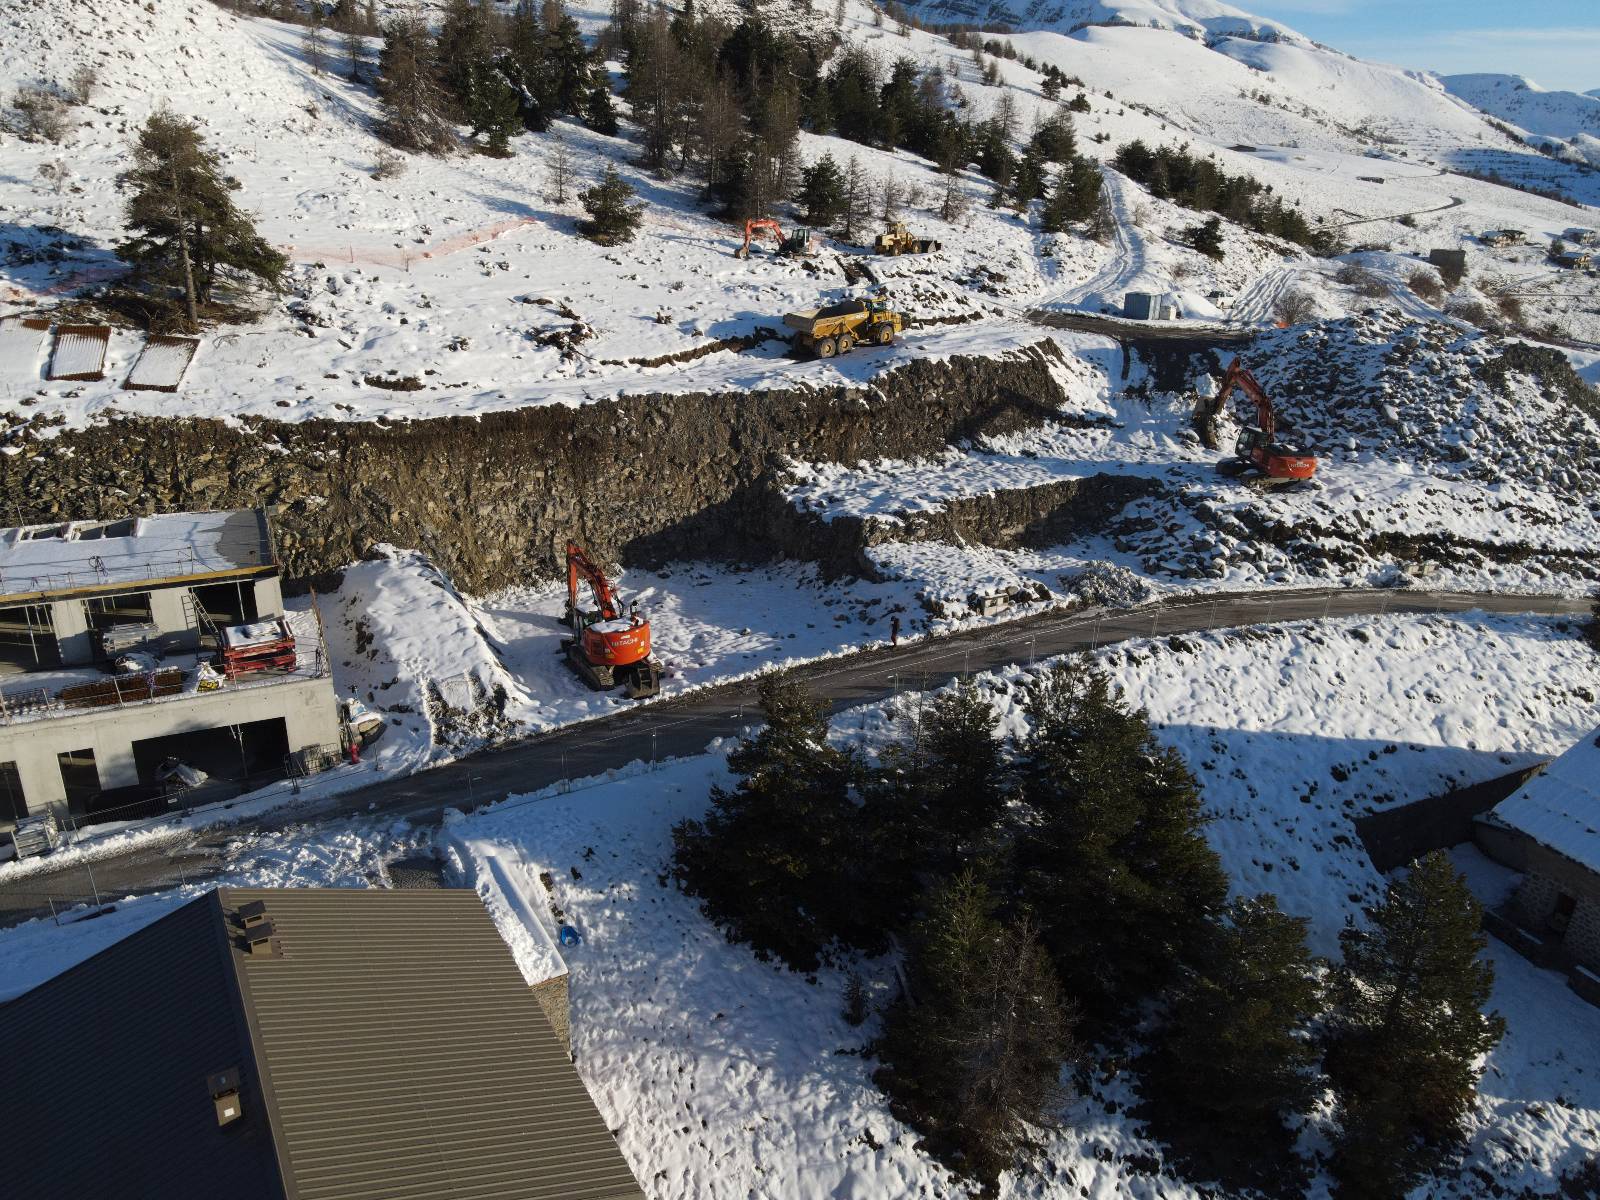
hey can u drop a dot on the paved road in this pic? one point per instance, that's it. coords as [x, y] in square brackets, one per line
[685, 725]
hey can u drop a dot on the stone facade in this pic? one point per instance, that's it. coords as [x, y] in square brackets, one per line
[1582, 938]
[493, 499]
[552, 997]
[1535, 901]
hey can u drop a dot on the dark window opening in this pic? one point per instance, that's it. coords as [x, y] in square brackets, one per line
[27, 638]
[1565, 906]
[132, 608]
[12, 806]
[232, 603]
[79, 778]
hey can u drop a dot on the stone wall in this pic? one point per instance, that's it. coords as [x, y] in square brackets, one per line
[553, 999]
[492, 499]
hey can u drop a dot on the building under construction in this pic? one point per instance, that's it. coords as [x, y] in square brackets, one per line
[144, 655]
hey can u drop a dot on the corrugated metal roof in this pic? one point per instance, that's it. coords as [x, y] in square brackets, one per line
[1560, 807]
[104, 1074]
[405, 1057]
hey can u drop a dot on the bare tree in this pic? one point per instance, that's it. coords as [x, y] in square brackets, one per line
[890, 196]
[315, 47]
[558, 171]
[355, 49]
[1294, 307]
[42, 114]
[83, 81]
[953, 201]
[1006, 114]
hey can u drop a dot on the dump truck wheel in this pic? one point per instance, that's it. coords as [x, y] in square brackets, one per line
[885, 335]
[846, 343]
[826, 348]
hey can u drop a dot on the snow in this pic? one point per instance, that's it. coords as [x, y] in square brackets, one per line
[1560, 807]
[725, 1077]
[20, 343]
[79, 354]
[162, 363]
[42, 557]
[1523, 103]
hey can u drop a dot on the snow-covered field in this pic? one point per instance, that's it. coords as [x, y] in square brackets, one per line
[727, 1077]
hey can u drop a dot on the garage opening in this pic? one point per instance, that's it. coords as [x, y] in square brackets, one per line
[27, 638]
[232, 758]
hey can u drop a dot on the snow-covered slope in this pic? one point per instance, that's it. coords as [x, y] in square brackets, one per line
[1525, 104]
[1200, 19]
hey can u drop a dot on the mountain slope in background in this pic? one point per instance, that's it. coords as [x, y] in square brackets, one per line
[1201, 19]
[1528, 106]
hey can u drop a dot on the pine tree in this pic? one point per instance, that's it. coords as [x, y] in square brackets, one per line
[974, 1055]
[1207, 238]
[965, 783]
[187, 232]
[1232, 1062]
[821, 192]
[492, 108]
[774, 859]
[952, 198]
[1075, 197]
[316, 46]
[464, 53]
[567, 71]
[413, 106]
[1407, 1030]
[612, 220]
[1113, 863]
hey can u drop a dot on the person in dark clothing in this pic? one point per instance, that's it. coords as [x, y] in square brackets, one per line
[894, 631]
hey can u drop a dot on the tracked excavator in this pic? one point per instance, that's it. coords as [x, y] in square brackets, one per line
[799, 244]
[1258, 446]
[610, 646]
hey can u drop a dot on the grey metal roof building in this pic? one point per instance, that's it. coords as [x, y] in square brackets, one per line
[302, 1044]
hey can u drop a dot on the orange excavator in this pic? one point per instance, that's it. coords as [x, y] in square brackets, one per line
[797, 244]
[610, 647]
[1258, 445]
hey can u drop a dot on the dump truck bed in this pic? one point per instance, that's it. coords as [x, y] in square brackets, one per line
[822, 320]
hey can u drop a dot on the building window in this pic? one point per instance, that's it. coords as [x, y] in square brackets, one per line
[12, 806]
[1561, 915]
[131, 608]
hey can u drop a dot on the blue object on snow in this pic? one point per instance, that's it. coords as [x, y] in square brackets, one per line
[569, 936]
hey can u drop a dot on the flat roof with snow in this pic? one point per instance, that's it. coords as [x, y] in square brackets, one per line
[71, 557]
[1560, 807]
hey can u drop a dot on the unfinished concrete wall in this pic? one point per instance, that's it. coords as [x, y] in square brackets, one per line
[307, 706]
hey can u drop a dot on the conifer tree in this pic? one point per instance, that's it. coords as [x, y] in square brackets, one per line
[821, 191]
[413, 105]
[1207, 238]
[857, 203]
[186, 231]
[1233, 1062]
[464, 53]
[964, 782]
[773, 859]
[492, 107]
[974, 1055]
[1407, 1030]
[1113, 863]
[612, 220]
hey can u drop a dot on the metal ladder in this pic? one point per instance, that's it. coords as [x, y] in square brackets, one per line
[200, 621]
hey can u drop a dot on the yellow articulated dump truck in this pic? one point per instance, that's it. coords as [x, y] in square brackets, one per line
[839, 328]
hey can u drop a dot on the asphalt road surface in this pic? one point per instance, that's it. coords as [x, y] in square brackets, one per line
[685, 725]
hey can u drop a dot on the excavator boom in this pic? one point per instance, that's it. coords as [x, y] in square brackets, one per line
[1258, 446]
[608, 648]
[581, 566]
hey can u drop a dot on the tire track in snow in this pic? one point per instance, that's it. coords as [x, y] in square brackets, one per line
[1127, 261]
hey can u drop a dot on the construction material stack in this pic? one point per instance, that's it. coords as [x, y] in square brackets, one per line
[611, 646]
[266, 645]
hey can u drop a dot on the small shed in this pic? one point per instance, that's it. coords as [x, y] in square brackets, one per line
[1150, 306]
[1549, 829]
[1453, 261]
[1582, 237]
[1502, 237]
